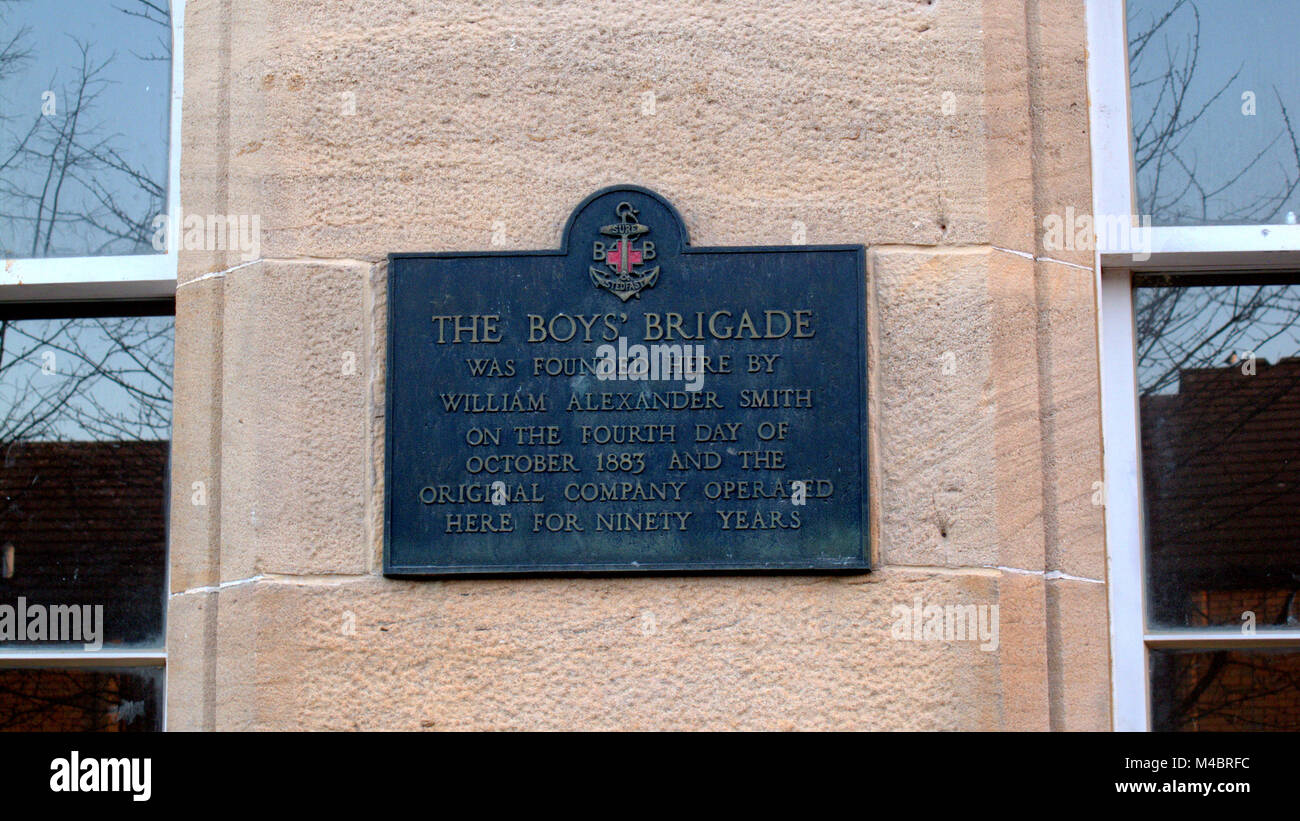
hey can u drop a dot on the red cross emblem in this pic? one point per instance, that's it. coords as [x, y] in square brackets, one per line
[622, 256]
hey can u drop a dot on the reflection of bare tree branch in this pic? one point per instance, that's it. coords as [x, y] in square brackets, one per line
[154, 13]
[1184, 708]
[1184, 327]
[76, 700]
[88, 196]
[112, 379]
[69, 181]
[1224, 705]
[1172, 188]
[59, 162]
[14, 53]
[1181, 328]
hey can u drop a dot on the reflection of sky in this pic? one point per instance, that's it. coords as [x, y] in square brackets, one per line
[130, 115]
[96, 390]
[1262, 38]
[1203, 326]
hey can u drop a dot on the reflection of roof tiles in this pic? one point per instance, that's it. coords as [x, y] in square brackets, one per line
[86, 520]
[1221, 465]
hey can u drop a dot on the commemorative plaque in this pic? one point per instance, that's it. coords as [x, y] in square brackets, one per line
[627, 403]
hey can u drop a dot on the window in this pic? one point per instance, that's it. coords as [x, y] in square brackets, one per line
[85, 418]
[1196, 145]
[89, 166]
[89, 173]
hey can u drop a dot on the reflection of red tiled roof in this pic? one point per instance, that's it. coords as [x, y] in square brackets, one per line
[1221, 464]
[86, 521]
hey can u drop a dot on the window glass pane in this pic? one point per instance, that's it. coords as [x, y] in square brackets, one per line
[84, 120]
[1219, 408]
[1215, 90]
[1225, 690]
[85, 417]
[81, 700]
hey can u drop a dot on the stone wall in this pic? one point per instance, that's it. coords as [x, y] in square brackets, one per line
[937, 133]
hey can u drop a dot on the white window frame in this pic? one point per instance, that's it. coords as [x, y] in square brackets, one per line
[130, 277]
[1222, 249]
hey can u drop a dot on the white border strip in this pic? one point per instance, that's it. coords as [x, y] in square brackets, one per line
[1123, 494]
[82, 658]
[1108, 106]
[1212, 247]
[1113, 193]
[1223, 638]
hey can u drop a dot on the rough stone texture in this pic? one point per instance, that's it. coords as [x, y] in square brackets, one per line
[1061, 153]
[1008, 167]
[935, 411]
[296, 394]
[223, 123]
[938, 133]
[191, 660]
[378, 313]
[740, 653]
[1071, 412]
[194, 531]
[1079, 655]
[1018, 465]
[238, 651]
[764, 114]
[1024, 685]
[957, 417]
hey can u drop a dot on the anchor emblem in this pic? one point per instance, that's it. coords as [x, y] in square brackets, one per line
[624, 257]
